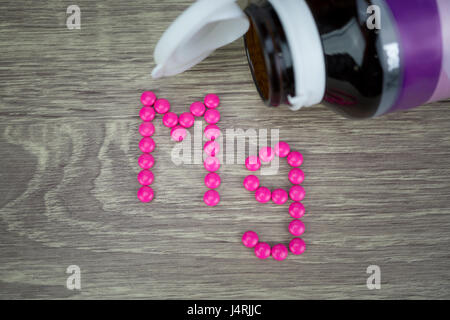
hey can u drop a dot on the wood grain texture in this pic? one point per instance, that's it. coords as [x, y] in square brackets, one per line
[377, 191]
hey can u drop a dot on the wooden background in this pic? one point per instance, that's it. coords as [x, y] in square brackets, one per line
[377, 190]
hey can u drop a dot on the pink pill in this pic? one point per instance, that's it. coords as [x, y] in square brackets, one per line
[146, 129]
[212, 101]
[297, 246]
[147, 144]
[296, 176]
[162, 106]
[250, 239]
[266, 154]
[279, 196]
[178, 133]
[251, 183]
[146, 161]
[295, 159]
[296, 210]
[146, 177]
[297, 193]
[211, 198]
[262, 250]
[212, 180]
[212, 164]
[212, 116]
[263, 195]
[170, 119]
[212, 148]
[186, 120]
[148, 98]
[147, 114]
[282, 149]
[279, 252]
[212, 132]
[296, 228]
[198, 109]
[253, 163]
[146, 194]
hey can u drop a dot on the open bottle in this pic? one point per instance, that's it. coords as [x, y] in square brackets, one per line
[362, 58]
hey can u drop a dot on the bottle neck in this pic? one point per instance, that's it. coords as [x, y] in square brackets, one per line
[285, 53]
[269, 55]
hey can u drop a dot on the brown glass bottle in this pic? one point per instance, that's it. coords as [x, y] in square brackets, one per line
[360, 82]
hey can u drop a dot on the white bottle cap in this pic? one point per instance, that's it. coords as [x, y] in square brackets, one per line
[195, 34]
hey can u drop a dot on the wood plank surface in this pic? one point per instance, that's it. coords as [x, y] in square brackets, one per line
[377, 191]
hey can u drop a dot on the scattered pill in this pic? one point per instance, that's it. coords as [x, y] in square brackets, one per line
[266, 154]
[186, 120]
[296, 228]
[146, 194]
[295, 159]
[297, 193]
[251, 183]
[147, 144]
[147, 114]
[212, 148]
[148, 98]
[250, 239]
[263, 195]
[146, 177]
[253, 163]
[170, 119]
[212, 116]
[178, 133]
[296, 176]
[211, 198]
[212, 164]
[282, 149]
[146, 129]
[212, 180]
[297, 246]
[279, 196]
[262, 250]
[162, 106]
[198, 109]
[297, 210]
[212, 101]
[279, 252]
